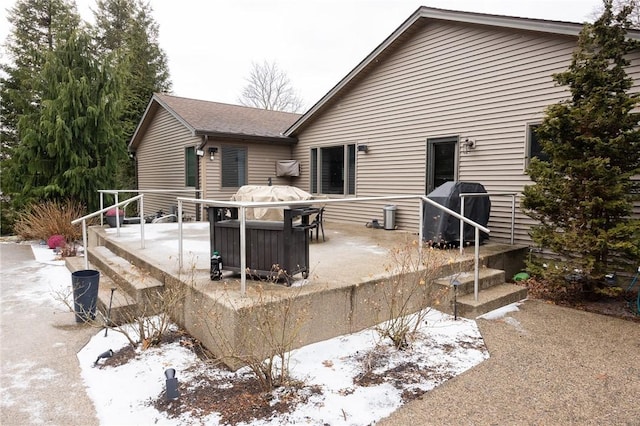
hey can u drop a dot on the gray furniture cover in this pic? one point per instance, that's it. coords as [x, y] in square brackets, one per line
[442, 229]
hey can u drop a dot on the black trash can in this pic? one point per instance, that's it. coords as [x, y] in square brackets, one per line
[85, 293]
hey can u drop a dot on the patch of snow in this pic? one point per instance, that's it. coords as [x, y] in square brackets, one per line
[444, 345]
[44, 254]
[501, 312]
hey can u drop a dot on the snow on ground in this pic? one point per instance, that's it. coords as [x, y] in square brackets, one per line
[125, 394]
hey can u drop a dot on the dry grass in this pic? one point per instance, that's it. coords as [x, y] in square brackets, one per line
[42, 220]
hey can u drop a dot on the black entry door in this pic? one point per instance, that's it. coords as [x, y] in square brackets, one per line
[441, 161]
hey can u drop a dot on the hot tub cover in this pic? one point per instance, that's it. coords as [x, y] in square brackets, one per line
[269, 193]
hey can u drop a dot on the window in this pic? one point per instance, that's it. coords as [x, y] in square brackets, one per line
[333, 170]
[190, 166]
[234, 167]
[534, 150]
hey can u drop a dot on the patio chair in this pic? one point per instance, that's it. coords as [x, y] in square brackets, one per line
[317, 224]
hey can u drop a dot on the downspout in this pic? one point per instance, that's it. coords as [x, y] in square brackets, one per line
[134, 158]
[205, 139]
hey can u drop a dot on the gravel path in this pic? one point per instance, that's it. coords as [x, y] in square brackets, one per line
[549, 365]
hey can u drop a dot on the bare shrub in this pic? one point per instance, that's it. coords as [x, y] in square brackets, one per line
[409, 290]
[268, 328]
[145, 325]
[152, 320]
[42, 220]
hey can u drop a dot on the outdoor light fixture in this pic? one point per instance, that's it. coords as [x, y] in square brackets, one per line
[172, 383]
[212, 152]
[455, 285]
[363, 148]
[105, 354]
[468, 144]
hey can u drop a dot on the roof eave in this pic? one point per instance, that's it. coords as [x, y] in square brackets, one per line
[290, 140]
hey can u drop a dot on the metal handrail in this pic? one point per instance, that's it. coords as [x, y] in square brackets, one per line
[102, 210]
[117, 192]
[243, 205]
[487, 194]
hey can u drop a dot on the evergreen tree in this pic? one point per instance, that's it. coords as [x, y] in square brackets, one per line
[69, 146]
[583, 194]
[126, 29]
[38, 26]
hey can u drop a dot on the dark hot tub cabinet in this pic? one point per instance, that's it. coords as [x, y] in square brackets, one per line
[274, 249]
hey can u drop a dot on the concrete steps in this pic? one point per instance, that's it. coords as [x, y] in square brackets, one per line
[135, 292]
[493, 292]
[134, 281]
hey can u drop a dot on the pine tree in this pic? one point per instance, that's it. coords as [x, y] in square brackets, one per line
[69, 145]
[38, 26]
[583, 195]
[126, 29]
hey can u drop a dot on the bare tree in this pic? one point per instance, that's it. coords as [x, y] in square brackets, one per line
[269, 88]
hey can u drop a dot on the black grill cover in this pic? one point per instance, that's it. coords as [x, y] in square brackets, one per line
[442, 229]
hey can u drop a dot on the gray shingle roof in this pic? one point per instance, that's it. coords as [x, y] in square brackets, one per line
[219, 120]
[206, 117]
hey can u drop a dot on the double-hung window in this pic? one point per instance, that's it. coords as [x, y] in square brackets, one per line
[333, 170]
[234, 166]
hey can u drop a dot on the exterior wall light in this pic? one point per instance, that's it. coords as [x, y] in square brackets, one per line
[468, 144]
[212, 152]
[363, 148]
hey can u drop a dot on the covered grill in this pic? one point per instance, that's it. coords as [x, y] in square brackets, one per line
[442, 229]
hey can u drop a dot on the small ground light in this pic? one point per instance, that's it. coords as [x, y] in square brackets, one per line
[455, 285]
[172, 383]
[105, 354]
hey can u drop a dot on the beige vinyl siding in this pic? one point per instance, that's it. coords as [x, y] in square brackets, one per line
[161, 162]
[261, 158]
[448, 79]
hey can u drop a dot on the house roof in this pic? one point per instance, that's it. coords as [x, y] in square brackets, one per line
[223, 121]
[421, 17]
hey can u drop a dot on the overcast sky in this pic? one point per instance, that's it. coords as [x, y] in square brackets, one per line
[211, 44]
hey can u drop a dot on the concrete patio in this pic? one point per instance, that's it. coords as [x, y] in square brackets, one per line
[341, 295]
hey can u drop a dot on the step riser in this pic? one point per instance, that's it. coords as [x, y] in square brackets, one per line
[486, 280]
[153, 271]
[470, 311]
[118, 315]
[123, 277]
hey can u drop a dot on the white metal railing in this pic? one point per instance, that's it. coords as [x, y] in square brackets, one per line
[116, 194]
[487, 194]
[83, 219]
[243, 205]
